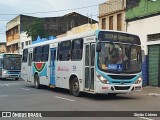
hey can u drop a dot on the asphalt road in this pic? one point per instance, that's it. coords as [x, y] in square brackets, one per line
[22, 96]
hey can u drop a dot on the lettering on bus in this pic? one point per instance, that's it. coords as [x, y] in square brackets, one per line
[118, 37]
[64, 69]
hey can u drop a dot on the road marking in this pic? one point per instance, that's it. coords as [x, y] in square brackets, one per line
[25, 89]
[154, 94]
[8, 84]
[4, 85]
[64, 98]
[146, 118]
[4, 95]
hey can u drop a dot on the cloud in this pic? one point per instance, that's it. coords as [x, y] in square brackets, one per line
[31, 6]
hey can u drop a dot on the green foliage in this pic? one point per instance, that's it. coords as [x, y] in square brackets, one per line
[35, 29]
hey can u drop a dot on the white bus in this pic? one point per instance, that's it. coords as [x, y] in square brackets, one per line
[107, 62]
[10, 65]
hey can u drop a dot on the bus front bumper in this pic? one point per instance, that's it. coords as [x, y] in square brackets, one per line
[119, 89]
[10, 76]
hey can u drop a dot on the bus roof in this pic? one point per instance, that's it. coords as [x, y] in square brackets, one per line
[8, 54]
[70, 37]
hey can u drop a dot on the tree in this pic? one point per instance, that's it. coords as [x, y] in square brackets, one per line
[35, 29]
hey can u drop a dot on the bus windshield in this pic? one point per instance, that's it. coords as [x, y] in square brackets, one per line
[119, 58]
[12, 63]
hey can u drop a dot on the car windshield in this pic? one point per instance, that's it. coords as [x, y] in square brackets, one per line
[12, 63]
[119, 58]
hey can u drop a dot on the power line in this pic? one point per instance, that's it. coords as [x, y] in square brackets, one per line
[42, 12]
[53, 11]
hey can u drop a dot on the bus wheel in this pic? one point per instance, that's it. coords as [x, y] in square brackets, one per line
[36, 81]
[75, 87]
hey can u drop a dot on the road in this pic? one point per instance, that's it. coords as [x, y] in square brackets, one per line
[22, 96]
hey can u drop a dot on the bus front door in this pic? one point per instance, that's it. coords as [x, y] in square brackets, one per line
[52, 66]
[89, 66]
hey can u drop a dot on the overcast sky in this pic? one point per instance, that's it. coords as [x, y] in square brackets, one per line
[9, 9]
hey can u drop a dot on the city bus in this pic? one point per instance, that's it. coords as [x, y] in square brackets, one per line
[10, 65]
[97, 62]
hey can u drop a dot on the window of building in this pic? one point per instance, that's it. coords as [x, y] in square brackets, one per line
[103, 23]
[119, 22]
[153, 37]
[25, 55]
[29, 42]
[111, 23]
[64, 53]
[22, 45]
[26, 43]
[77, 49]
[45, 53]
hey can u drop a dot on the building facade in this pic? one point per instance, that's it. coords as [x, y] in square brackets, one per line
[112, 15]
[143, 19]
[17, 39]
[2, 47]
[60, 25]
[80, 29]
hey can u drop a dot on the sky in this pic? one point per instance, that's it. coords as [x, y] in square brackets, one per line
[9, 9]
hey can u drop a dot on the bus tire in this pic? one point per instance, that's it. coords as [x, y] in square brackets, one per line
[75, 87]
[36, 81]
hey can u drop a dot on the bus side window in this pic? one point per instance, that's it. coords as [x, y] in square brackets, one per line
[77, 49]
[25, 55]
[45, 53]
[64, 51]
[37, 54]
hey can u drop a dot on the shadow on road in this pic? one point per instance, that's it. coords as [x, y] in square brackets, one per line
[98, 97]
[10, 79]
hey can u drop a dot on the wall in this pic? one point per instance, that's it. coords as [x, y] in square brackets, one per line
[23, 40]
[112, 8]
[80, 29]
[143, 28]
[123, 23]
[2, 47]
[145, 8]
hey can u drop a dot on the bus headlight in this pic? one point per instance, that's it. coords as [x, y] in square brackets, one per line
[102, 79]
[5, 71]
[139, 80]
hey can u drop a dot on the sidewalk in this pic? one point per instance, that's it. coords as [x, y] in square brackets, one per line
[150, 90]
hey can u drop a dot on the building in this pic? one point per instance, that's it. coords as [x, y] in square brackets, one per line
[54, 26]
[112, 15]
[15, 36]
[143, 19]
[80, 29]
[60, 25]
[2, 47]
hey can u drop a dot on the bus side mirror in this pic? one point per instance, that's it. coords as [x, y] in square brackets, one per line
[98, 47]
